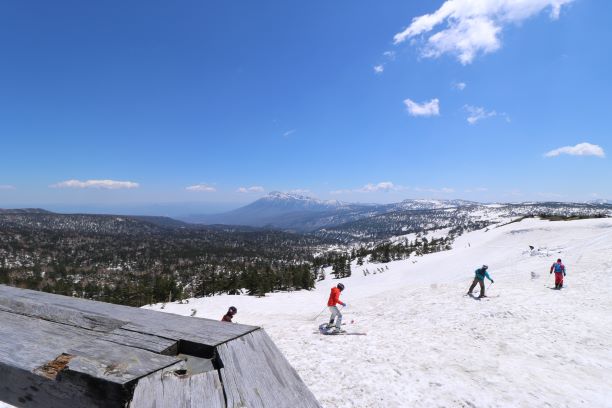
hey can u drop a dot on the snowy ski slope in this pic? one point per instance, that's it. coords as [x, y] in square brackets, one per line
[430, 346]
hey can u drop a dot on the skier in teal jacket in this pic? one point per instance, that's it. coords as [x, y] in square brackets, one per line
[480, 275]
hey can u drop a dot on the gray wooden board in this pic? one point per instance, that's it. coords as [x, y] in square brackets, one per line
[28, 344]
[203, 390]
[112, 351]
[149, 342]
[114, 362]
[107, 317]
[255, 374]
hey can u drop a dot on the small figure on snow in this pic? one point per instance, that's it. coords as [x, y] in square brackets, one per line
[480, 275]
[230, 313]
[559, 270]
[334, 299]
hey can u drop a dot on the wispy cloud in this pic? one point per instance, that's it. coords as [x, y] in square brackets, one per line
[204, 188]
[431, 108]
[289, 132]
[383, 186]
[459, 86]
[100, 184]
[7, 187]
[466, 28]
[477, 113]
[390, 55]
[252, 189]
[581, 149]
[476, 190]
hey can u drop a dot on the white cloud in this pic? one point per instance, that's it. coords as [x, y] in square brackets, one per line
[431, 108]
[383, 186]
[205, 188]
[476, 190]
[252, 189]
[390, 55]
[7, 187]
[581, 149]
[466, 28]
[460, 86]
[379, 69]
[477, 114]
[289, 132]
[103, 184]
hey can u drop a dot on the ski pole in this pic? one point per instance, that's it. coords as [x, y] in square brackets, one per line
[315, 318]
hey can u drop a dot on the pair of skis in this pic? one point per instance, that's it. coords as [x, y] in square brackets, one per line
[331, 331]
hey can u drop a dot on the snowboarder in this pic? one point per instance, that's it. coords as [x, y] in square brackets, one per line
[334, 299]
[480, 275]
[559, 270]
[230, 313]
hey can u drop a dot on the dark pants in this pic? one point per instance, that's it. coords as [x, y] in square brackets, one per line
[482, 286]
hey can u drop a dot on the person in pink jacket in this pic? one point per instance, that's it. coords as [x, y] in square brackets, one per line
[559, 269]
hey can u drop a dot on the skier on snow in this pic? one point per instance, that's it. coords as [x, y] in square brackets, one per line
[480, 275]
[230, 313]
[334, 299]
[559, 270]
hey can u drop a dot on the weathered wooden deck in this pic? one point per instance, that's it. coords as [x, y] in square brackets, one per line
[57, 351]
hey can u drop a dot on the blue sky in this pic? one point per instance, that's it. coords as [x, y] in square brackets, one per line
[113, 106]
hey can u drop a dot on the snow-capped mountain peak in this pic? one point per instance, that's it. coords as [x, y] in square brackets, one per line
[307, 200]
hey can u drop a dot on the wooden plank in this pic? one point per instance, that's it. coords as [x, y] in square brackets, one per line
[115, 363]
[97, 373]
[149, 342]
[57, 351]
[255, 374]
[202, 390]
[108, 317]
[31, 343]
[65, 315]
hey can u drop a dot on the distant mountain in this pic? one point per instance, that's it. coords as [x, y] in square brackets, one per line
[432, 204]
[600, 201]
[24, 211]
[88, 223]
[463, 216]
[289, 212]
[301, 213]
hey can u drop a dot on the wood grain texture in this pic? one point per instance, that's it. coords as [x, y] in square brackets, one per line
[106, 317]
[57, 351]
[255, 374]
[203, 390]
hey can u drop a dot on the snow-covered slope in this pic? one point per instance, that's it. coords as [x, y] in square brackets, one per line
[420, 204]
[427, 345]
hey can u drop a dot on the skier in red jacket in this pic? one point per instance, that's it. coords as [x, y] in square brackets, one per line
[334, 299]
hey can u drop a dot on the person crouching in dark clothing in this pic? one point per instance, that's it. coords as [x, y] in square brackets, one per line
[230, 314]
